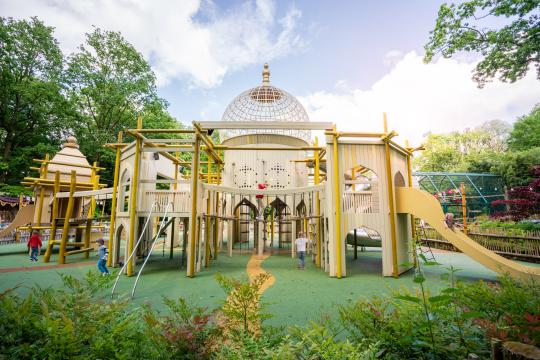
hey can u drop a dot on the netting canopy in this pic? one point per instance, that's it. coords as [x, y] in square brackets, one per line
[480, 190]
[266, 103]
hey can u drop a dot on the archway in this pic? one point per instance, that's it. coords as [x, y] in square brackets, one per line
[120, 243]
[399, 180]
[245, 212]
[279, 223]
[364, 250]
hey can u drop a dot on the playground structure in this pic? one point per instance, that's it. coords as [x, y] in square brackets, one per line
[216, 201]
[61, 207]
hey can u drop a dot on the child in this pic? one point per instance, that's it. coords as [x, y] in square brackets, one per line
[103, 254]
[34, 246]
[449, 221]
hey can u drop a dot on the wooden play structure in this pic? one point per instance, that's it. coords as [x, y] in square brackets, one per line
[255, 191]
[61, 205]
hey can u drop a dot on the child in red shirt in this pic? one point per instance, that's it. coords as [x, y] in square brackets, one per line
[34, 245]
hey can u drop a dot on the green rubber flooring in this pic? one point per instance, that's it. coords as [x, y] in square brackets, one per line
[297, 296]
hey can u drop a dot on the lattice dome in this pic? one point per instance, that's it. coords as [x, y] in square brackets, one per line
[266, 103]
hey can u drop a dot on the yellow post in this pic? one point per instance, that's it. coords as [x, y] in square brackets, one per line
[395, 270]
[69, 210]
[464, 207]
[413, 222]
[208, 220]
[20, 201]
[317, 180]
[194, 193]
[43, 175]
[54, 215]
[114, 199]
[337, 195]
[216, 219]
[95, 185]
[133, 198]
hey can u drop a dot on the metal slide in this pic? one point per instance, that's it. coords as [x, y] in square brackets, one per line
[423, 205]
[162, 226]
[134, 248]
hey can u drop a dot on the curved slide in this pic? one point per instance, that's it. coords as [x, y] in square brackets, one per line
[423, 205]
[23, 217]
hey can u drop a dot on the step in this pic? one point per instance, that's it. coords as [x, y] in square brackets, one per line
[78, 251]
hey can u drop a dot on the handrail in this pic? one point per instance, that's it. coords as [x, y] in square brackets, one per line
[161, 227]
[134, 248]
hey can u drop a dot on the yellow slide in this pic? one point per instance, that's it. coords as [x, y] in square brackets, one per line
[423, 205]
[24, 216]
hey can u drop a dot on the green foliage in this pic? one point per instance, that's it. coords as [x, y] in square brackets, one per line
[33, 108]
[80, 321]
[111, 84]
[242, 308]
[512, 227]
[526, 132]
[516, 167]
[507, 310]
[186, 333]
[508, 51]
[472, 150]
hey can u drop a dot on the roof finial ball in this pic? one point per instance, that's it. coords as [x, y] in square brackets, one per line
[266, 75]
[71, 142]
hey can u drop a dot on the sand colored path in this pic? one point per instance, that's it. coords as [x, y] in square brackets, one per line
[254, 268]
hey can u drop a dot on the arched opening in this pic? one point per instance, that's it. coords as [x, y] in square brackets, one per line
[120, 243]
[301, 221]
[279, 225]
[361, 194]
[125, 181]
[245, 228]
[364, 250]
[399, 180]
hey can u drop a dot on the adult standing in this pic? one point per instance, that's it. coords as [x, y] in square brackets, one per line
[301, 243]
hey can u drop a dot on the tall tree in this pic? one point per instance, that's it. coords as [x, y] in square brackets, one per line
[526, 132]
[34, 114]
[112, 84]
[508, 51]
[472, 150]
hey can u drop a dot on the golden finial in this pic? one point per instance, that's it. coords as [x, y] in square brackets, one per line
[266, 75]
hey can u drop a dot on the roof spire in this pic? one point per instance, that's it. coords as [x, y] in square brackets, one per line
[266, 75]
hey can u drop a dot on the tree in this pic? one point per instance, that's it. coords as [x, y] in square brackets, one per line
[515, 166]
[524, 201]
[508, 51]
[112, 84]
[473, 150]
[526, 132]
[34, 113]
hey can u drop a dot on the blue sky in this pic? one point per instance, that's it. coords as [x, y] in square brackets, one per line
[346, 61]
[348, 42]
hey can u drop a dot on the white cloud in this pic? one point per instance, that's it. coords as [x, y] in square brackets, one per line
[437, 97]
[169, 33]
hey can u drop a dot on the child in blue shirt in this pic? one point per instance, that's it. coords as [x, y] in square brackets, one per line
[103, 255]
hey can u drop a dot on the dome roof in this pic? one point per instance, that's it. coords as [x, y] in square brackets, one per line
[266, 103]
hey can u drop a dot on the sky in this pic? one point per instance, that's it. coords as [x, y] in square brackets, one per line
[347, 62]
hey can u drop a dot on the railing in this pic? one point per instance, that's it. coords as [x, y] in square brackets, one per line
[512, 246]
[180, 200]
[360, 202]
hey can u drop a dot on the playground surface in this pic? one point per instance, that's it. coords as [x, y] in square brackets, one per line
[295, 297]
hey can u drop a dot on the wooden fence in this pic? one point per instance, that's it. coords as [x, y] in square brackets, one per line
[525, 246]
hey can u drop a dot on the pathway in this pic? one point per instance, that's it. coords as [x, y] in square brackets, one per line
[254, 268]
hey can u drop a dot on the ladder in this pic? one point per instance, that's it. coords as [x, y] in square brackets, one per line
[423, 244]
